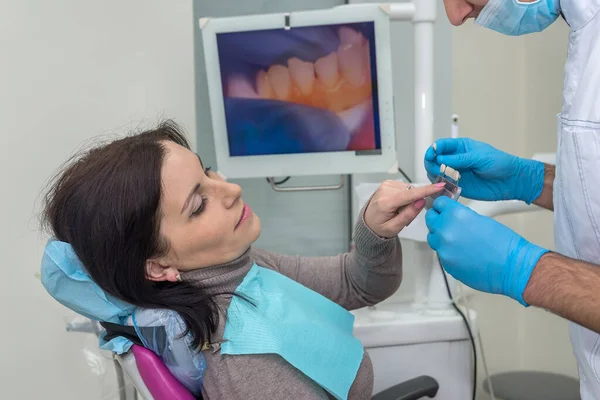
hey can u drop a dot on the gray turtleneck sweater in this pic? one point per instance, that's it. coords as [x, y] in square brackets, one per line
[367, 275]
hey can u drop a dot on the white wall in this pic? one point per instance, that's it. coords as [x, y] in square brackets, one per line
[71, 70]
[507, 92]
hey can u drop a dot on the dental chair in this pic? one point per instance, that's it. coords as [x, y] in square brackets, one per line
[153, 381]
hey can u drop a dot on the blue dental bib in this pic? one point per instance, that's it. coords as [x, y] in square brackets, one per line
[273, 314]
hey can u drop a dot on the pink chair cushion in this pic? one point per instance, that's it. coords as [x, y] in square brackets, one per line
[161, 384]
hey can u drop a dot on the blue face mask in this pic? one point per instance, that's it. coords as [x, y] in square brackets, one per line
[514, 18]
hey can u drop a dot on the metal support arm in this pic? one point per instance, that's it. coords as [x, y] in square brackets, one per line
[306, 188]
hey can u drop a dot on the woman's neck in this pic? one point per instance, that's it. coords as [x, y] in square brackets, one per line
[224, 278]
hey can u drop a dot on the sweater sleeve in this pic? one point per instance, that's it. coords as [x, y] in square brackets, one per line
[367, 275]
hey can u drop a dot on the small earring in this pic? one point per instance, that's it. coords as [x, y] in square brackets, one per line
[178, 277]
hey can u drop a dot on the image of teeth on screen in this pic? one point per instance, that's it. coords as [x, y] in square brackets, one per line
[304, 90]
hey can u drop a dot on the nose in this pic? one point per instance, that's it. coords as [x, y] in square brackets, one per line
[458, 11]
[231, 193]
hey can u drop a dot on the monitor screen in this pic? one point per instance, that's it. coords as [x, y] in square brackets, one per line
[309, 89]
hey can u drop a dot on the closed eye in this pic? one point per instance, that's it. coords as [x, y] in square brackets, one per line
[199, 208]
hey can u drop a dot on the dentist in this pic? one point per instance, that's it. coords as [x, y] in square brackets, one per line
[488, 256]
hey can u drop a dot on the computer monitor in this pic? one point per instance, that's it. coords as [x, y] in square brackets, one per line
[305, 93]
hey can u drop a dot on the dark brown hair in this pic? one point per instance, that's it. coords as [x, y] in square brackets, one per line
[106, 204]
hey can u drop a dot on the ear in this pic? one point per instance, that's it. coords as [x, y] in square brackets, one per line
[160, 273]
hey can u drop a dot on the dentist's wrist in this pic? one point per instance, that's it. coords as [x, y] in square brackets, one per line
[546, 198]
[529, 180]
[521, 263]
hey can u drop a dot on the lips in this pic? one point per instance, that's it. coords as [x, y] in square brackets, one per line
[246, 213]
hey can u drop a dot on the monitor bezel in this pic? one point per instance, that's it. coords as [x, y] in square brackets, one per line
[324, 163]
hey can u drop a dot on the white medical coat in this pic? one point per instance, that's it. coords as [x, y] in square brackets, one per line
[577, 183]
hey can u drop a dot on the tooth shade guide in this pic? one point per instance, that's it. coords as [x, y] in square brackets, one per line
[450, 172]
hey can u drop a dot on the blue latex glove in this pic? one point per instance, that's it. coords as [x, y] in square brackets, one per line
[486, 172]
[480, 252]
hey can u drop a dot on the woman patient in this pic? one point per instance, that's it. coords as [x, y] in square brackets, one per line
[156, 228]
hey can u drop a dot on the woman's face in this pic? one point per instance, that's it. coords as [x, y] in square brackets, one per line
[204, 218]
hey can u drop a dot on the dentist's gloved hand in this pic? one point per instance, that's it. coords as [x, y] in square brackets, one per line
[486, 172]
[480, 252]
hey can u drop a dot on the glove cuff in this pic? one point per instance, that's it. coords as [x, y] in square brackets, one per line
[522, 262]
[530, 180]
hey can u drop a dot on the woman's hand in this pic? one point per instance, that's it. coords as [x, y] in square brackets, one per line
[395, 205]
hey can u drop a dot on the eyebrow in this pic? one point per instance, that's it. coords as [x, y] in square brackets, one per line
[187, 201]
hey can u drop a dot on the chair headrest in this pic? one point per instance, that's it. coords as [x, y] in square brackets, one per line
[64, 277]
[161, 331]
